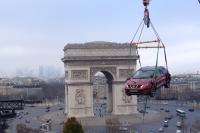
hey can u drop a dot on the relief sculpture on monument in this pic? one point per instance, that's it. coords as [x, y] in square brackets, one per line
[124, 73]
[80, 97]
[125, 98]
[79, 74]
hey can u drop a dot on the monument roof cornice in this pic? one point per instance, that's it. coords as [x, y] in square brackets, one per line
[96, 45]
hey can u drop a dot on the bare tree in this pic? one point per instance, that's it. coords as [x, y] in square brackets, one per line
[53, 89]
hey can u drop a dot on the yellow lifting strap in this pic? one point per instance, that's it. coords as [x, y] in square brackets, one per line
[138, 43]
[143, 42]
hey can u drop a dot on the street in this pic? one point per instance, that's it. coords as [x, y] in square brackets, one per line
[172, 125]
[154, 119]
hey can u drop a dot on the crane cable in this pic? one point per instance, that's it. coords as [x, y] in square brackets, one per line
[131, 45]
[165, 54]
[132, 41]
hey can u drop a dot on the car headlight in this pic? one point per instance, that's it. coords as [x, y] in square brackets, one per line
[143, 86]
[126, 86]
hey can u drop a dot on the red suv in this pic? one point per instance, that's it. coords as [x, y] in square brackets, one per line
[143, 82]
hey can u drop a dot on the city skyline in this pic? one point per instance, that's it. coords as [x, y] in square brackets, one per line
[34, 32]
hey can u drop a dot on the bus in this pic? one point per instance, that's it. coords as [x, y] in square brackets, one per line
[180, 113]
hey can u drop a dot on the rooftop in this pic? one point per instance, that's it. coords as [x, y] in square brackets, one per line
[96, 45]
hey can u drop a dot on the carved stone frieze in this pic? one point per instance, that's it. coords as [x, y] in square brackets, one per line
[125, 73]
[79, 74]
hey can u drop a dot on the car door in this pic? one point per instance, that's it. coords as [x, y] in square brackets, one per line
[160, 78]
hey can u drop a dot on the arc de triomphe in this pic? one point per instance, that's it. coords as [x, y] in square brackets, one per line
[83, 61]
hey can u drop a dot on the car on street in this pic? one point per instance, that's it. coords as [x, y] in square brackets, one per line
[26, 113]
[191, 110]
[151, 131]
[167, 110]
[27, 121]
[178, 131]
[61, 108]
[142, 111]
[145, 80]
[48, 107]
[165, 103]
[148, 107]
[123, 128]
[169, 117]
[165, 123]
[161, 129]
[178, 124]
[20, 117]
[48, 121]
[161, 108]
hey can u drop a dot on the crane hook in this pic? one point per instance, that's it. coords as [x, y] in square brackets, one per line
[146, 17]
[146, 2]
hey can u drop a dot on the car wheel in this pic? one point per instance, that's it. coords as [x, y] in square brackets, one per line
[167, 84]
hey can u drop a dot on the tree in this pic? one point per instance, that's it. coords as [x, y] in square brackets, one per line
[52, 89]
[72, 126]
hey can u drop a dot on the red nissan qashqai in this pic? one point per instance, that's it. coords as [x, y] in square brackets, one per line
[143, 80]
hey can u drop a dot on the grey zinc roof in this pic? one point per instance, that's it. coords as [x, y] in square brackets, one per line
[96, 45]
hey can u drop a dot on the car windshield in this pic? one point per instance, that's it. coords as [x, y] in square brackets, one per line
[143, 74]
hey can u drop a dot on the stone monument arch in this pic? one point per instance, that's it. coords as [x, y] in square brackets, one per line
[82, 61]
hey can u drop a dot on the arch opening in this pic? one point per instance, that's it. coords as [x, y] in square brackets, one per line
[102, 93]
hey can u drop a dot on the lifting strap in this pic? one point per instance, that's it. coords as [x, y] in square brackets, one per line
[158, 37]
[159, 45]
[156, 68]
[136, 44]
[131, 45]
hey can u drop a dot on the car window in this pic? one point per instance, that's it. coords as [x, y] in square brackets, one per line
[142, 74]
[160, 72]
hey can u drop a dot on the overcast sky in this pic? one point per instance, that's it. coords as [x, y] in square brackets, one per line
[34, 32]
